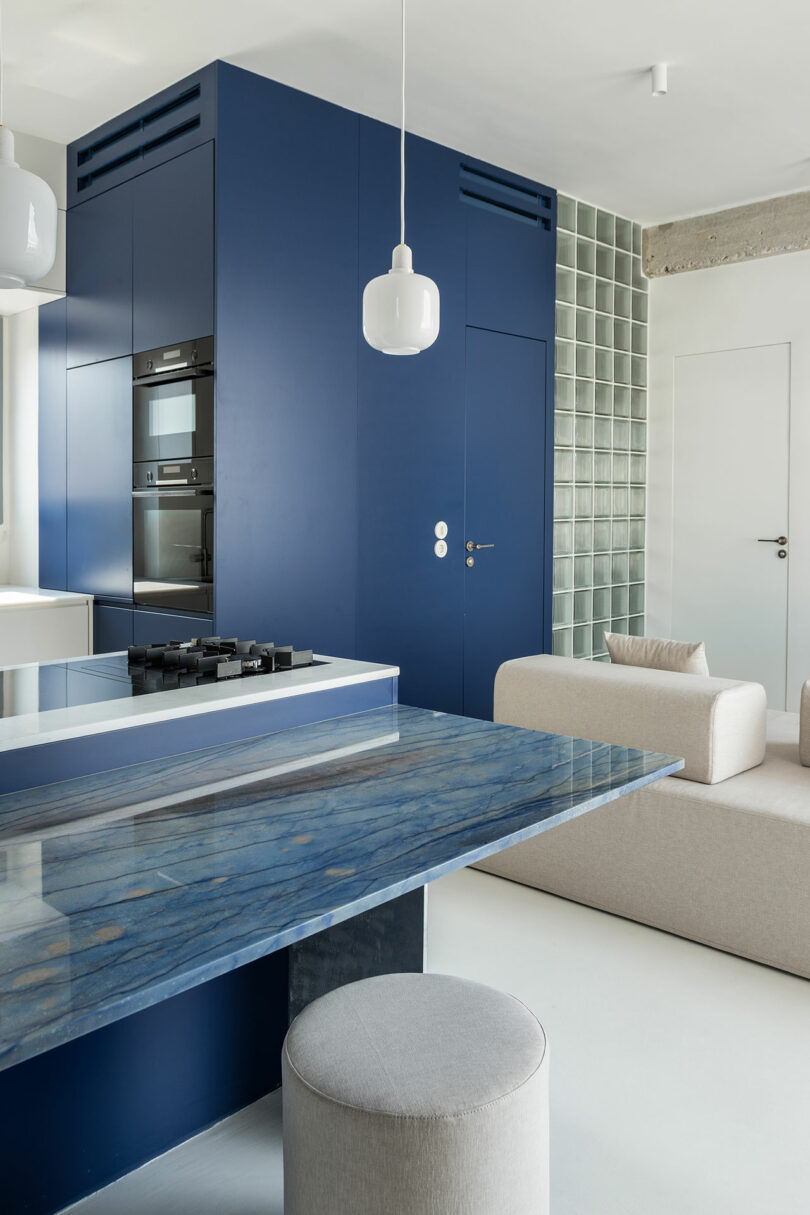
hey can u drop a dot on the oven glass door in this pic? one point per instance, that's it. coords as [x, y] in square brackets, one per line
[173, 549]
[174, 420]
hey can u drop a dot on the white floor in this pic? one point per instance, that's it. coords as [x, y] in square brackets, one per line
[680, 1076]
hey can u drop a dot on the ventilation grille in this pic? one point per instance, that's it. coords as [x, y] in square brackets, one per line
[521, 203]
[136, 139]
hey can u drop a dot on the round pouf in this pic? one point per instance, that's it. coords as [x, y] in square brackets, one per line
[415, 1094]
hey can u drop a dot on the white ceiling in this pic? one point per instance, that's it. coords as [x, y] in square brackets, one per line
[558, 92]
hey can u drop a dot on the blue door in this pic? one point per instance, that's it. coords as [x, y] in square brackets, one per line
[506, 448]
[99, 479]
[99, 277]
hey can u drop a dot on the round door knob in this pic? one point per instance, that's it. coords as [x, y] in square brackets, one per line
[471, 561]
[782, 552]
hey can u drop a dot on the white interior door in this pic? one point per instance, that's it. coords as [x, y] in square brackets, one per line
[730, 491]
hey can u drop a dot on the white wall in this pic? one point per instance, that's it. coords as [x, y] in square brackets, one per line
[19, 533]
[752, 303]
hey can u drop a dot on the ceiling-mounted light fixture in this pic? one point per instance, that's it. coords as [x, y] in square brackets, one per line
[27, 213]
[400, 308]
[658, 79]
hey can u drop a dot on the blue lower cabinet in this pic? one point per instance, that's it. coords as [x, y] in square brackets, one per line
[165, 626]
[112, 628]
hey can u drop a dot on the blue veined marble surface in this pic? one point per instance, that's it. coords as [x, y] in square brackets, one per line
[123, 889]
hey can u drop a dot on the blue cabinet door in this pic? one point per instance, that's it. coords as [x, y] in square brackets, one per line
[411, 431]
[167, 626]
[99, 479]
[112, 628]
[99, 277]
[52, 447]
[173, 251]
[506, 447]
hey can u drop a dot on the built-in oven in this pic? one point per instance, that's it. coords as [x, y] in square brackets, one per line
[173, 535]
[173, 402]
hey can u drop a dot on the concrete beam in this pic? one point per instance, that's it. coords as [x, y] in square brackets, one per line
[763, 229]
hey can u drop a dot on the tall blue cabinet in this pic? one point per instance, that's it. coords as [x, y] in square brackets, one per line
[234, 205]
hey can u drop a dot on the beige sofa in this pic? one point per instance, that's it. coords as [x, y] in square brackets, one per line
[719, 853]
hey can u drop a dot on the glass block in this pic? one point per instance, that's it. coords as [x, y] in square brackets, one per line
[635, 626]
[637, 278]
[584, 396]
[583, 502]
[638, 436]
[566, 250]
[621, 435]
[623, 272]
[638, 403]
[563, 464]
[583, 572]
[603, 364]
[621, 467]
[604, 296]
[599, 648]
[621, 334]
[563, 392]
[603, 398]
[639, 338]
[563, 573]
[563, 430]
[586, 220]
[582, 606]
[636, 567]
[637, 239]
[566, 285]
[601, 570]
[602, 502]
[584, 360]
[583, 536]
[640, 306]
[602, 466]
[621, 501]
[638, 371]
[605, 227]
[585, 291]
[638, 499]
[564, 357]
[622, 301]
[602, 434]
[563, 539]
[636, 598]
[624, 234]
[621, 401]
[604, 261]
[637, 533]
[563, 502]
[586, 256]
[562, 609]
[566, 213]
[601, 603]
[582, 641]
[619, 600]
[620, 567]
[584, 325]
[621, 533]
[621, 368]
[583, 430]
[603, 331]
[562, 643]
[601, 536]
[565, 324]
[619, 625]
[583, 466]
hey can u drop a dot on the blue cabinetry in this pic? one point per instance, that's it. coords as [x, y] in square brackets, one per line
[112, 628]
[52, 447]
[173, 251]
[167, 626]
[99, 479]
[99, 278]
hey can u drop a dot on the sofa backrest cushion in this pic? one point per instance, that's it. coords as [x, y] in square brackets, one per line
[804, 725]
[656, 652]
[717, 726]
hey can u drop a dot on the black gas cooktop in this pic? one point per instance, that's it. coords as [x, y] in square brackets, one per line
[172, 664]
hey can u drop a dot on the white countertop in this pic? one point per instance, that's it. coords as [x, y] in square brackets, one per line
[37, 597]
[30, 726]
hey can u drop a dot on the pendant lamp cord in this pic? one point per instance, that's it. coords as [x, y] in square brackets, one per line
[401, 138]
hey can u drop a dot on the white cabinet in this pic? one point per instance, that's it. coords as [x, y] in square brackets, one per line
[38, 625]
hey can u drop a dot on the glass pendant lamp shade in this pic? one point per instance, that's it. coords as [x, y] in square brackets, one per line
[27, 220]
[400, 308]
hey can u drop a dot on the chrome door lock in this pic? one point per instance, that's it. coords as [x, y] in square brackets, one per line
[470, 561]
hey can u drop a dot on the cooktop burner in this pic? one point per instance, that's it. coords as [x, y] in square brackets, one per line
[206, 659]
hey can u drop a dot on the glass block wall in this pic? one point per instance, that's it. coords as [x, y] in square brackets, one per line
[600, 430]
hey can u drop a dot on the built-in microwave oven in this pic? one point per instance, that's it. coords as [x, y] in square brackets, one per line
[173, 402]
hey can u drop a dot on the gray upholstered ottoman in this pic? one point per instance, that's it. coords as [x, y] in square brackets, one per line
[415, 1094]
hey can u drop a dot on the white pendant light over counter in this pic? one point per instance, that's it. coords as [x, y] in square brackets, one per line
[27, 214]
[400, 308]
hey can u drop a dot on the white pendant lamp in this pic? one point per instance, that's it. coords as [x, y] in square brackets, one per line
[400, 308]
[27, 214]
